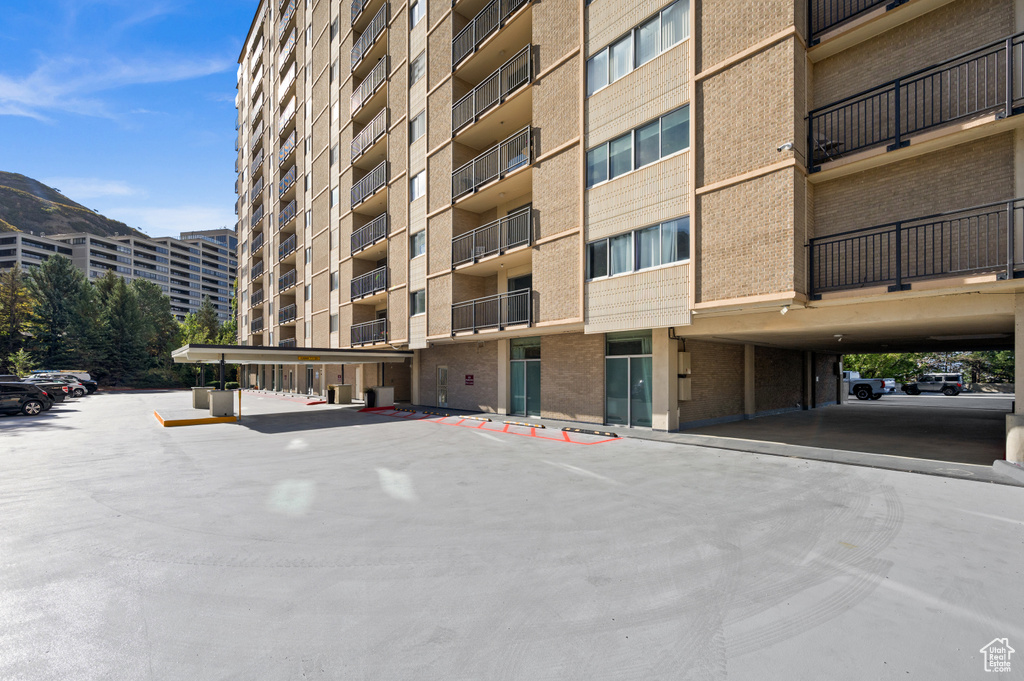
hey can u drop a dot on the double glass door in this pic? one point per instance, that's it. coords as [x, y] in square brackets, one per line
[627, 379]
[524, 376]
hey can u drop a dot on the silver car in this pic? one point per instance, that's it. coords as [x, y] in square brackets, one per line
[947, 384]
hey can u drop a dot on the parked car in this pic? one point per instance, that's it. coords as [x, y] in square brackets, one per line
[82, 375]
[76, 388]
[23, 398]
[54, 386]
[947, 384]
[90, 386]
[867, 388]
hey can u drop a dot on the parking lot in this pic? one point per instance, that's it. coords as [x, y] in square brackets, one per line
[323, 543]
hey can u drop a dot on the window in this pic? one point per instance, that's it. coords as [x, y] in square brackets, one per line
[334, 28]
[417, 10]
[642, 44]
[418, 243]
[418, 185]
[418, 302]
[334, 70]
[417, 68]
[640, 147]
[334, 197]
[334, 323]
[309, 254]
[334, 154]
[648, 147]
[652, 246]
[620, 156]
[675, 131]
[309, 329]
[334, 281]
[305, 292]
[418, 126]
[597, 165]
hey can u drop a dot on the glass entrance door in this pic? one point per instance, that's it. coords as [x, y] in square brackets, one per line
[442, 386]
[628, 372]
[309, 380]
[525, 388]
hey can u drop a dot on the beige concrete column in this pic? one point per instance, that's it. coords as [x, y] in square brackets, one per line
[749, 406]
[415, 377]
[1015, 421]
[664, 381]
[504, 355]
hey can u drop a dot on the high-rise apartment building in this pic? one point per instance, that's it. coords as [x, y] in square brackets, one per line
[641, 213]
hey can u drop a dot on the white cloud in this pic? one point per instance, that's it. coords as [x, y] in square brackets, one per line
[165, 221]
[86, 188]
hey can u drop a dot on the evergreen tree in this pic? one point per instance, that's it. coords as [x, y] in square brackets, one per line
[229, 331]
[104, 286]
[160, 328]
[124, 332]
[15, 309]
[61, 321]
[201, 327]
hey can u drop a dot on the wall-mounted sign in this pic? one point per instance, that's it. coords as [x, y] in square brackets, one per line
[309, 359]
[469, 379]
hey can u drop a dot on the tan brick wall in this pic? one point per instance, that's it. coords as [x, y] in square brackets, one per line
[321, 289]
[399, 376]
[439, 116]
[398, 203]
[556, 118]
[555, 202]
[439, 187]
[716, 381]
[557, 279]
[439, 306]
[398, 33]
[828, 379]
[439, 239]
[745, 240]
[572, 377]
[556, 31]
[398, 259]
[398, 314]
[436, 9]
[439, 54]
[645, 300]
[726, 27]
[467, 287]
[477, 359]
[320, 252]
[644, 197]
[778, 379]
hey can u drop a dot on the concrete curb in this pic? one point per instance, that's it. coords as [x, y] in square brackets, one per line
[1008, 469]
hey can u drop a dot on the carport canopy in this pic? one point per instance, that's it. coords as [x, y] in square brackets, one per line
[244, 354]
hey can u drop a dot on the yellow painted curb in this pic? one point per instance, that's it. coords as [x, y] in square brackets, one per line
[194, 422]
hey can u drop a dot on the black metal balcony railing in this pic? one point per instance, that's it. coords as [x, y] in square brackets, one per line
[286, 343]
[257, 243]
[257, 297]
[369, 135]
[256, 163]
[982, 239]
[499, 236]
[370, 233]
[257, 136]
[282, 25]
[492, 312]
[512, 75]
[370, 35]
[824, 15]
[257, 215]
[256, 189]
[286, 148]
[370, 332]
[987, 80]
[286, 314]
[369, 183]
[287, 180]
[256, 272]
[370, 84]
[286, 280]
[287, 247]
[370, 283]
[286, 215]
[499, 160]
[256, 325]
[487, 21]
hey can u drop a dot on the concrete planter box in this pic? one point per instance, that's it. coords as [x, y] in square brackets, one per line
[342, 393]
[201, 398]
[222, 402]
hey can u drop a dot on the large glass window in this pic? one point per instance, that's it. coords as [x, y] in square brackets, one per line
[418, 185]
[417, 10]
[620, 155]
[418, 243]
[621, 250]
[597, 72]
[418, 126]
[597, 259]
[675, 25]
[675, 240]
[620, 58]
[661, 244]
[648, 144]
[418, 302]
[652, 142]
[417, 68]
[648, 247]
[597, 165]
[675, 131]
[648, 41]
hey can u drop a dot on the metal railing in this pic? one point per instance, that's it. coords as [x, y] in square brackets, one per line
[988, 238]
[357, 8]
[371, 182]
[286, 51]
[286, 343]
[257, 216]
[257, 243]
[257, 136]
[369, 135]
[287, 181]
[287, 247]
[498, 161]
[286, 16]
[286, 281]
[824, 15]
[256, 189]
[286, 215]
[284, 87]
[370, 35]
[286, 116]
[257, 271]
[257, 108]
[257, 52]
[370, 233]
[370, 332]
[256, 325]
[493, 312]
[487, 21]
[287, 148]
[256, 84]
[256, 163]
[286, 314]
[493, 90]
[257, 298]
[987, 80]
[499, 236]
[370, 283]
[370, 84]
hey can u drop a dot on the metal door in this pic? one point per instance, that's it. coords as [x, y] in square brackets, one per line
[442, 386]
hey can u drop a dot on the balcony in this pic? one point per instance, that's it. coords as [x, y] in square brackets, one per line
[286, 343]
[980, 240]
[286, 281]
[256, 162]
[256, 190]
[285, 85]
[370, 234]
[825, 15]
[287, 247]
[257, 244]
[257, 216]
[286, 50]
[370, 135]
[257, 271]
[286, 149]
[362, 10]
[256, 325]
[257, 136]
[257, 297]
[286, 314]
[369, 333]
[369, 184]
[986, 82]
[512, 75]
[370, 85]
[256, 84]
[286, 215]
[501, 160]
[257, 108]
[286, 117]
[368, 39]
[495, 238]
[486, 22]
[370, 284]
[492, 313]
[287, 181]
[286, 17]
[257, 52]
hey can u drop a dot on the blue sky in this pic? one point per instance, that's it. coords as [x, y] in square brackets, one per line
[126, 106]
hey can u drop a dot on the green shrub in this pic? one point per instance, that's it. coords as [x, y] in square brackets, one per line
[231, 385]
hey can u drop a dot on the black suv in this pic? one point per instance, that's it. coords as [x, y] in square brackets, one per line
[23, 398]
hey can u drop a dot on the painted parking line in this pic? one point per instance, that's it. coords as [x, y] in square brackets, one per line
[488, 426]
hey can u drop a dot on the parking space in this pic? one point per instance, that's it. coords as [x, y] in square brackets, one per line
[966, 429]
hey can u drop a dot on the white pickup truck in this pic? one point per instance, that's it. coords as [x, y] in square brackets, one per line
[867, 388]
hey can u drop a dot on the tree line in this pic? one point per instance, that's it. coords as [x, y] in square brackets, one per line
[990, 366]
[122, 333]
